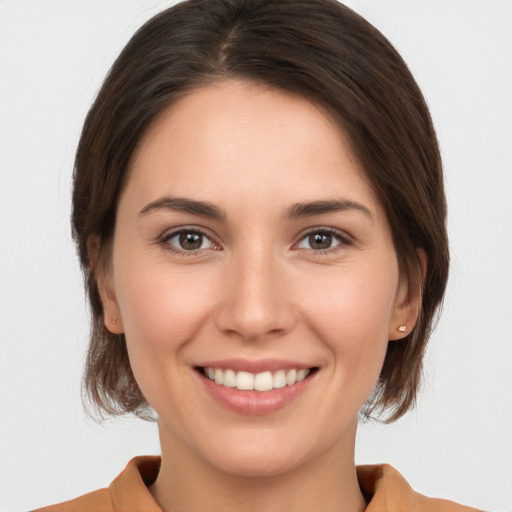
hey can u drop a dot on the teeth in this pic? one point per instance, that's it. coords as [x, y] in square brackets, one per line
[245, 381]
[279, 379]
[264, 381]
[291, 377]
[229, 379]
[301, 374]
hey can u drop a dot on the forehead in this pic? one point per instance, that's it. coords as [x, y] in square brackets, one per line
[258, 142]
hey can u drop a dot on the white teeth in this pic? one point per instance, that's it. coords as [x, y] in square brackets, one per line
[229, 379]
[291, 377]
[301, 374]
[264, 381]
[279, 380]
[245, 381]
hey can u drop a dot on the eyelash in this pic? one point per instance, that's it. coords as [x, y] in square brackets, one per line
[342, 238]
[166, 238]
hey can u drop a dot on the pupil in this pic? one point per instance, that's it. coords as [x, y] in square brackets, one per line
[191, 241]
[320, 241]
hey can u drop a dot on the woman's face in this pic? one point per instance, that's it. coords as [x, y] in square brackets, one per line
[249, 249]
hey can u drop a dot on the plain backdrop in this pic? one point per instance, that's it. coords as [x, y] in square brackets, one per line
[457, 444]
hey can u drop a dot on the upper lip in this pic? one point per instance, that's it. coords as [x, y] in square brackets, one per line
[255, 366]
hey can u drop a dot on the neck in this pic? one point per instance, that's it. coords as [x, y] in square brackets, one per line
[188, 483]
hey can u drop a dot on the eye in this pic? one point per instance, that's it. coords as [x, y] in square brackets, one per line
[323, 240]
[188, 240]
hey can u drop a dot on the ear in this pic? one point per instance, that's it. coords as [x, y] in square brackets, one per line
[102, 272]
[408, 303]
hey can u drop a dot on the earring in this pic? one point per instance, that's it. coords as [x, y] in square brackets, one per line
[401, 328]
[113, 320]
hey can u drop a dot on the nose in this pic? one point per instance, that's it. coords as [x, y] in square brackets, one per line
[255, 300]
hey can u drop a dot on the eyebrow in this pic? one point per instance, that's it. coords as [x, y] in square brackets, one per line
[319, 207]
[180, 204]
[206, 209]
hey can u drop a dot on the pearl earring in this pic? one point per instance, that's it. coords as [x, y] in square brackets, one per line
[402, 328]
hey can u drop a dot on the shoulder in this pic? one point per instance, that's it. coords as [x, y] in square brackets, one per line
[128, 492]
[100, 501]
[386, 488]
[391, 492]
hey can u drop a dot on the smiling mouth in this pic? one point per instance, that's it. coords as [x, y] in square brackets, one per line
[263, 381]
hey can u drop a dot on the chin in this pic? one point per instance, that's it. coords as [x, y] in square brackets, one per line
[263, 454]
[257, 463]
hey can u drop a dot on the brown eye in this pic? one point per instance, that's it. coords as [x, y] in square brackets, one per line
[320, 241]
[188, 241]
[324, 240]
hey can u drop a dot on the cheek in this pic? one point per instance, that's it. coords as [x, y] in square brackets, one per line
[350, 313]
[358, 303]
[162, 310]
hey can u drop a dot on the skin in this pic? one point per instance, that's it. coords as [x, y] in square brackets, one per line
[256, 288]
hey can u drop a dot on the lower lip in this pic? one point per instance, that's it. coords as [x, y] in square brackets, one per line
[255, 403]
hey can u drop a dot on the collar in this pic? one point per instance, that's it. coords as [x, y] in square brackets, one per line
[385, 488]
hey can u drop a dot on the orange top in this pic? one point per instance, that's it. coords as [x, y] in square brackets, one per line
[129, 492]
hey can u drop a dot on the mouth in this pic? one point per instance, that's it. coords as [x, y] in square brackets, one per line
[259, 382]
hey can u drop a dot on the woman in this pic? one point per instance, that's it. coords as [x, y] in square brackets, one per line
[259, 211]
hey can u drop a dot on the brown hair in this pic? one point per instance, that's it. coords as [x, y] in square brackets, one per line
[318, 49]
